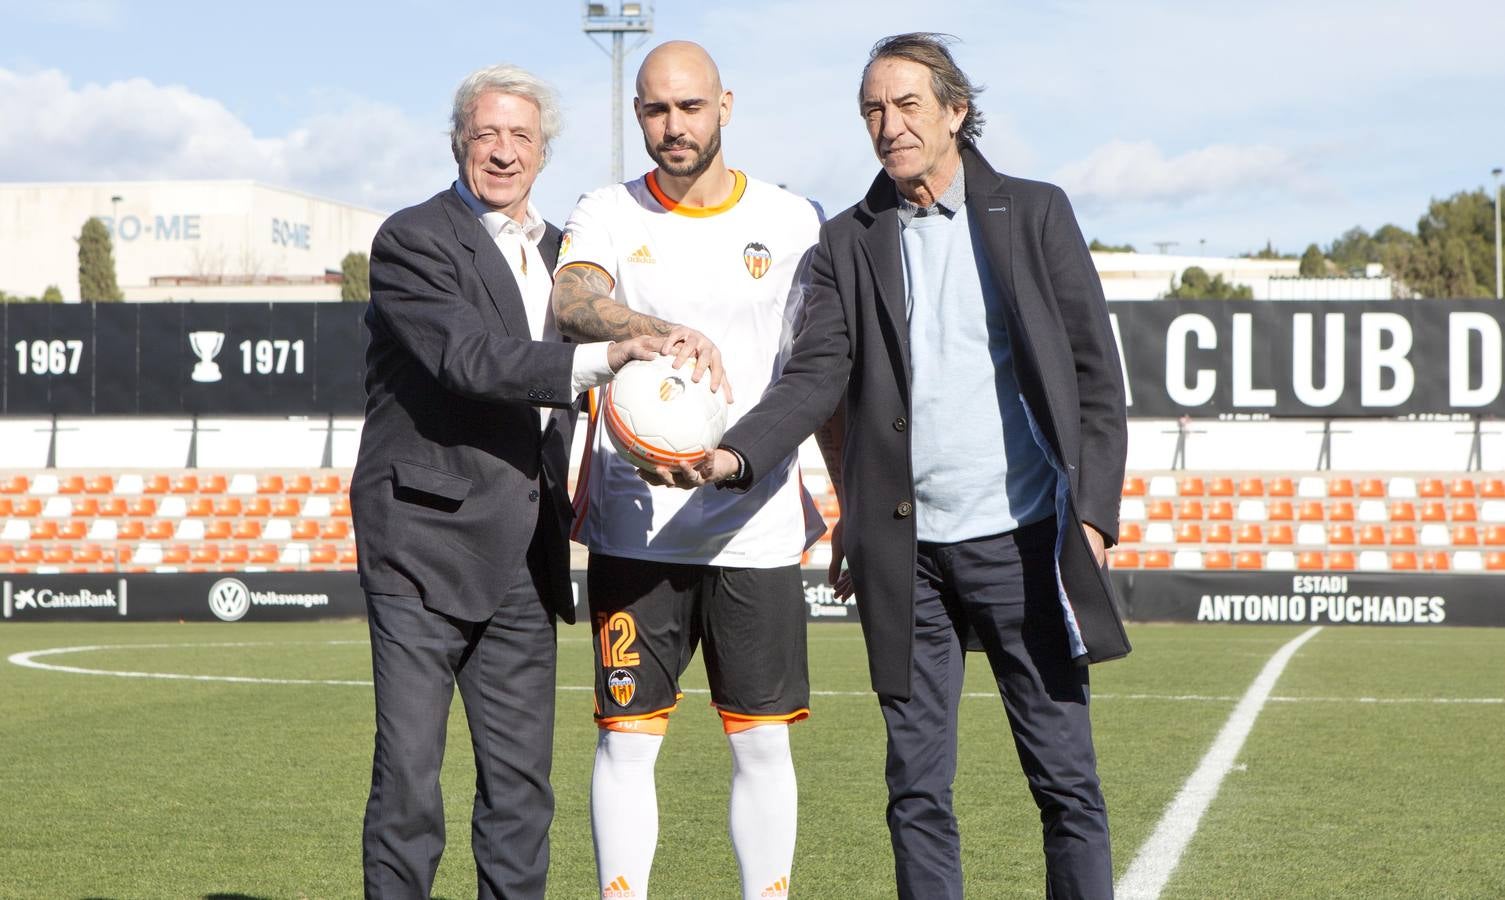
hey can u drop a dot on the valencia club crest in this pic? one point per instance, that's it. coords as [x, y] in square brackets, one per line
[757, 258]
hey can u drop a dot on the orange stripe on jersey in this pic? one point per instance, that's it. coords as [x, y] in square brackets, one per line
[581, 500]
[658, 725]
[608, 721]
[739, 187]
[588, 265]
[733, 723]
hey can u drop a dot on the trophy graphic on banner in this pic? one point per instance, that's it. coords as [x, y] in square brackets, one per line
[206, 345]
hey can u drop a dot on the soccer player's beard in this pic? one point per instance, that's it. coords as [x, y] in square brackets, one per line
[697, 164]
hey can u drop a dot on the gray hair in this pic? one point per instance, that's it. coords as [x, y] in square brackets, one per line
[505, 79]
[950, 84]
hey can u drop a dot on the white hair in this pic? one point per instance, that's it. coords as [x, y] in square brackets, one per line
[505, 79]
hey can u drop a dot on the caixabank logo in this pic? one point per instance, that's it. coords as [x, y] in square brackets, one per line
[16, 601]
[230, 599]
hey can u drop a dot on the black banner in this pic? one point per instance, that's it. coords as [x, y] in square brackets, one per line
[182, 596]
[182, 359]
[1344, 598]
[1341, 359]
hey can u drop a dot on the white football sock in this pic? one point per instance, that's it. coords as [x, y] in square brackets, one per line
[624, 812]
[764, 809]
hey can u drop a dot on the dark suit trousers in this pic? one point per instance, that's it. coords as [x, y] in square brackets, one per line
[505, 670]
[999, 592]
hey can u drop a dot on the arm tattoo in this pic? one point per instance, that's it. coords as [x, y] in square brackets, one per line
[830, 437]
[584, 308]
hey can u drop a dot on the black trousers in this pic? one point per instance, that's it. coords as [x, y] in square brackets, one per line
[505, 670]
[998, 593]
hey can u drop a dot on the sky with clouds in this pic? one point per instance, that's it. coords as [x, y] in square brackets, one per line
[1227, 123]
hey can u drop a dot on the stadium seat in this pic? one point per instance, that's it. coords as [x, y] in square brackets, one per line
[1311, 534]
[1435, 534]
[323, 555]
[1162, 486]
[277, 530]
[235, 555]
[1492, 511]
[57, 508]
[112, 507]
[258, 507]
[1462, 487]
[85, 507]
[1311, 486]
[189, 530]
[5, 506]
[1134, 486]
[44, 530]
[1219, 533]
[1123, 559]
[266, 554]
[1432, 488]
[75, 530]
[1340, 487]
[159, 530]
[205, 554]
[1221, 510]
[1312, 511]
[1187, 559]
[7, 554]
[57, 554]
[1372, 511]
[1128, 508]
[1372, 488]
[1341, 560]
[1465, 536]
[1192, 486]
[145, 507]
[1189, 509]
[1371, 535]
[173, 507]
[1494, 535]
[29, 554]
[70, 484]
[1280, 511]
[1494, 488]
[1128, 532]
[1464, 511]
[287, 507]
[246, 530]
[348, 554]
[1160, 510]
[1159, 533]
[294, 554]
[269, 484]
[1467, 561]
[1217, 559]
[130, 530]
[1401, 487]
[242, 484]
[175, 554]
[1189, 533]
[1403, 561]
[340, 506]
[200, 507]
[44, 485]
[1310, 560]
[1251, 487]
[104, 530]
[330, 484]
[1434, 511]
[218, 530]
[318, 507]
[339, 530]
[297, 484]
[185, 484]
[1494, 561]
[1249, 559]
[26, 507]
[1221, 486]
[1282, 486]
[156, 484]
[212, 484]
[1340, 511]
[1251, 511]
[1403, 535]
[14, 484]
[1251, 533]
[1403, 511]
[306, 530]
[228, 507]
[1161, 559]
[1374, 561]
[1280, 533]
[1436, 561]
[100, 484]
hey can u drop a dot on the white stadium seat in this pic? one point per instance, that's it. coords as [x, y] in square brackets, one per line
[1374, 561]
[1372, 511]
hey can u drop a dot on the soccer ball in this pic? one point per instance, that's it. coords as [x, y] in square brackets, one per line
[656, 416]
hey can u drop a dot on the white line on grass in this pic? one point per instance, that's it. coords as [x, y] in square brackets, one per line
[1160, 854]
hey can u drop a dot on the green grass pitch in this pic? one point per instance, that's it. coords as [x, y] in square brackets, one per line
[118, 787]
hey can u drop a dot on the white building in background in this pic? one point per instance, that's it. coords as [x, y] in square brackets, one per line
[183, 240]
[1148, 276]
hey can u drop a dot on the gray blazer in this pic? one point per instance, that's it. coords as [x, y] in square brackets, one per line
[453, 467]
[853, 345]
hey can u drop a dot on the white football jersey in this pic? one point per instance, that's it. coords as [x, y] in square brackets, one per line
[729, 272]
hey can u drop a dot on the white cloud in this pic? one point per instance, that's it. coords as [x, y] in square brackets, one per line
[368, 153]
[1137, 172]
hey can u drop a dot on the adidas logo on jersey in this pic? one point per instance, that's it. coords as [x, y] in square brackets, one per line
[618, 890]
[641, 255]
[779, 888]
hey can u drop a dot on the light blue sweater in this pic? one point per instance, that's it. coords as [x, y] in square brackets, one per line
[977, 468]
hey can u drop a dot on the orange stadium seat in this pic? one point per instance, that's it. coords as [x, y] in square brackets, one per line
[269, 484]
[1372, 534]
[100, 484]
[1465, 511]
[204, 554]
[1251, 487]
[327, 484]
[212, 484]
[159, 530]
[70, 484]
[1340, 487]
[1494, 561]
[86, 507]
[1431, 489]
[247, 530]
[1309, 560]
[1191, 486]
[29, 554]
[145, 507]
[1219, 533]
[1403, 511]
[1465, 536]
[1281, 511]
[1220, 510]
[1189, 533]
[340, 506]
[5, 507]
[1340, 533]
[1403, 535]
[1340, 511]
[1434, 511]
[1493, 488]
[1134, 486]
[258, 507]
[185, 484]
[1462, 487]
[1312, 511]
[305, 530]
[347, 554]
[1160, 510]
[57, 554]
[130, 530]
[1281, 534]
[1123, 559]
[1217, 559]
[1251, 533]
[15, 484]
[200, 507]
[89, 554]
[1282, 486]
[1189, 509]
[72, 530]
[266, 554]
[1249, 559]
[228, 507]
[175, 554]
[298, 484]
[156, 484]
[1372, 487]
[323, 555]
[1494, 535]
[235, 555]
[1436, 561]
[1403, 560]
[112, 507]
[287, 507]
[217, 530]
[339, 530]
[7, 554]
[26, 507]
[1161, 559]
[1222, 486]
[1341, 560]
[44, 530]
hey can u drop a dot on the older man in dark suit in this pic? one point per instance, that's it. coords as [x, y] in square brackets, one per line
[956, 318]
[459, 499]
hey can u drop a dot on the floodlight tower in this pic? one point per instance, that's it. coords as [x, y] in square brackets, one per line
[629, 17]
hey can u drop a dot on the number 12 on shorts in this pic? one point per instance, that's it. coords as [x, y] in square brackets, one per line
[614, 652]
